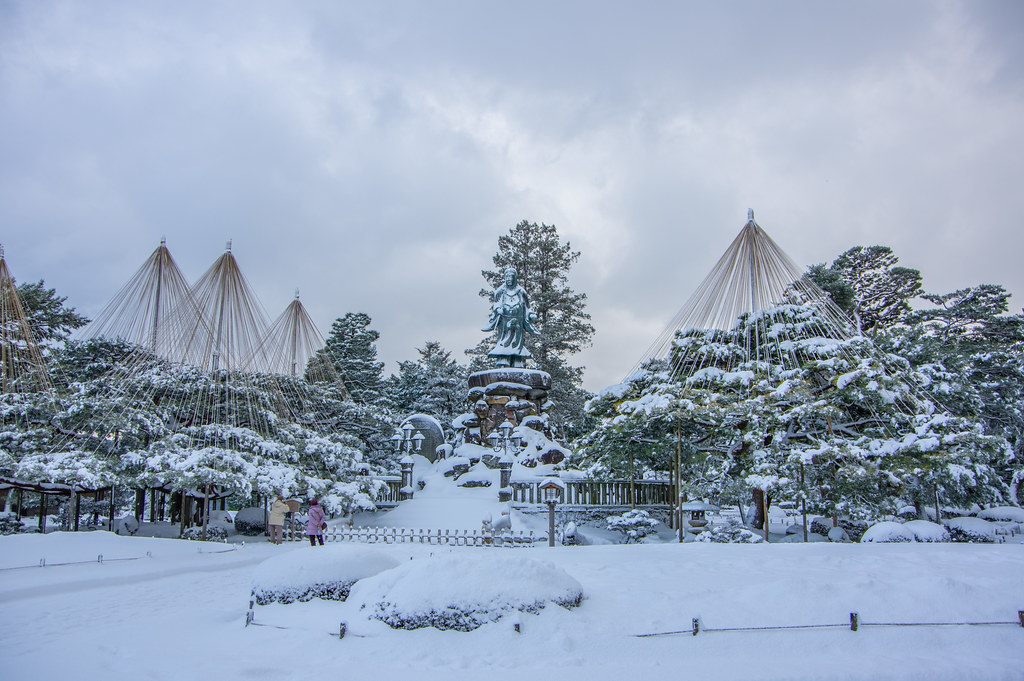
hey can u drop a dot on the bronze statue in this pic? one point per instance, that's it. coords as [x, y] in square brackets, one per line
[511, 319]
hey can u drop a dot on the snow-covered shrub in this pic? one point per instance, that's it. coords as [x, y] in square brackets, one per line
[821, 526]
[1003, 514]
[213, 533]
[250, 521]
[9, 524]
[328, 572]
[855, 529]
[464, 592]
[971, 530]
[927, 531]
[907, 513]
[634, 525]
[887, 532]
[733, 533]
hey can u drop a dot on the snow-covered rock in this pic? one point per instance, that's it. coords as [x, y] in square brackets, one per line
[328, 572]
[838, 535]
[127, 525]
[887, 532]
[463, 592]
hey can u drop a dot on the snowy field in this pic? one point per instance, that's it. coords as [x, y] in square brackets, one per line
[179, 610]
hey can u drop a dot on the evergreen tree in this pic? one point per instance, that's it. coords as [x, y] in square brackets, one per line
[970, 355]
[831, 421]
[434, 384]
[350, 346]
[51, 321]
[881, 290]
[543, 263]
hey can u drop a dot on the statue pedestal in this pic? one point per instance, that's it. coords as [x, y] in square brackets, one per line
[508, 393]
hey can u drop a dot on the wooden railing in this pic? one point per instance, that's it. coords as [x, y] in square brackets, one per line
[601, 493]
[389, 497]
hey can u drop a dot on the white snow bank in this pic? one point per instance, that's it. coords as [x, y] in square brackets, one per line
[326, 572]
[463, 592]
[887, 532]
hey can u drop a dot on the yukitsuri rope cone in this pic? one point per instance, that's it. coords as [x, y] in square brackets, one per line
[21, 362]
[752, 277]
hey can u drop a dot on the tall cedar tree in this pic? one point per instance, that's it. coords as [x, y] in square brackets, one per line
[543, 263]
[351, 348]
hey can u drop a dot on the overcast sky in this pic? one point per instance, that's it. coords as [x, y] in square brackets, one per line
[370, 154]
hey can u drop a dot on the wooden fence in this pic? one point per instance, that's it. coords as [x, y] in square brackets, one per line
[601, 493]
[399, 535]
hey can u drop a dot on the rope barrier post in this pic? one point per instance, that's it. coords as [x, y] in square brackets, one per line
[1020, 615]
[250, 616]
[854, 621]
[696, 626]
[341, 631]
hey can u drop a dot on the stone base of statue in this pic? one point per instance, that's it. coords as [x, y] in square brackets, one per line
[512, 394]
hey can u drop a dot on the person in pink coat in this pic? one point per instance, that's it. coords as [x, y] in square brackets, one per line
[316, 524]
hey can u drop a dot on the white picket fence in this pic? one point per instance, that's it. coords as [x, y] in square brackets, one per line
[400, 535]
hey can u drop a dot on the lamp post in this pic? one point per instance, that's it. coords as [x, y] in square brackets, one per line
[408, 440]
[499, 439]
[551, 489]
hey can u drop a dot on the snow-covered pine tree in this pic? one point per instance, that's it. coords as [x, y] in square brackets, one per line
[969, 354]
[51, 320]
[826, 419]
[881, 288]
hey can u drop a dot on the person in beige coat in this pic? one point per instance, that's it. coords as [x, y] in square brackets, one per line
[276, 521]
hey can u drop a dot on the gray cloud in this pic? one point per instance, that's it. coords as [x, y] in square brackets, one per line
[370, 154]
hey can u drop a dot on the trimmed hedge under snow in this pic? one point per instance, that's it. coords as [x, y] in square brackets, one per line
[323, 572]
[463, 592]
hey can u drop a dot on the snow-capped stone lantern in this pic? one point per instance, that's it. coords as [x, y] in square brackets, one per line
[698, 509]
[410, 441]
[551, 491]
[502, 440]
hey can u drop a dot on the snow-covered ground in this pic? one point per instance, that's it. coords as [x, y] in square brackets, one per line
[178, 610]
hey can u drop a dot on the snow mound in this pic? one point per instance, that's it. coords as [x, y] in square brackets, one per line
[1004, 514]
[325, 572]
[887, 532]
[463, 592]
[972, 530]
[927, 531]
